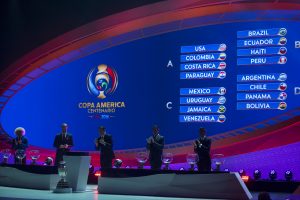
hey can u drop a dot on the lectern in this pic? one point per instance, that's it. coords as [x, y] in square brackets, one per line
[77, 164]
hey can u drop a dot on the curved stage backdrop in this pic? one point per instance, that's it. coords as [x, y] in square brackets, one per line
[236, 74]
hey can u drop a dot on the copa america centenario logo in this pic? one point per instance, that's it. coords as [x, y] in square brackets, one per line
[102, 82]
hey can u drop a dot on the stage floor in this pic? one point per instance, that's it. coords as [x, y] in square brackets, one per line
[10, 193]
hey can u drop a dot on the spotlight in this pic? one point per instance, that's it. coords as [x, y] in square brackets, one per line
[242, 172]
[181, 169]
[127, 167]
[288, 175]
[98, 173]
[273, 175]
[91, 169]
[226, 170]
[48, 161]
[257, 174]
[118, 163]
[245, 178]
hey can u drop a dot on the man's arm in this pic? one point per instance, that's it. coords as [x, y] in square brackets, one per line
[24, 143]
[160, 143]
[196, 146]
[148, 143]
[97, 145]
[108, 142]
[206, 146]
[70, 141]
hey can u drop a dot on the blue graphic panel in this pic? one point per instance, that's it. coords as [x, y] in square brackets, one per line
[181, 81]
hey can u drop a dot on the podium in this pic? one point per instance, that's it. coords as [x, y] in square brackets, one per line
[168, 183]
[29, 176]
[77, 164]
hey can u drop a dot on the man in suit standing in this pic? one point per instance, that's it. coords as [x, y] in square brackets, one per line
[104, 143]
[20, 144]
[63, 142]
[202, 148]
[155, 145]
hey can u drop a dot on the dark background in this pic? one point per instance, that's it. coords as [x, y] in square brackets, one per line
[27, 24]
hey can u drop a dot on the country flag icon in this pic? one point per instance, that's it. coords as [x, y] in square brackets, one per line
[222, 91]
[222, 47]
[297, 44]
[282, 31]
[221, 109]
[282, 86]
[282, 77]
[222, 65]
[282, 51]
[282, 60]
[282, 41]
[221, 100]
[222, 74]
[221, 118]
[282, 96]
[282, 106]
[222, 56]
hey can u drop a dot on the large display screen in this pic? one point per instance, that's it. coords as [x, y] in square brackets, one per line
[222, 77]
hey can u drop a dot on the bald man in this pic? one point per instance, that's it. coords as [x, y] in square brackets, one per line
[63, 143]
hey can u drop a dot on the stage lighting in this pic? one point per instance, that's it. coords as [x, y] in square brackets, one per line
[48, 161]
[127, 167]
[273, 175]
[242, 172]
[181, 169]
[118, 163]
[245, 178]
[91, 169]
[288, 175]
[226, 170]
[257, 174]
[98, 173]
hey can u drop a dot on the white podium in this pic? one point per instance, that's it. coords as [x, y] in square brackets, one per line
[210, 186]
[77, 164]
[33, 177]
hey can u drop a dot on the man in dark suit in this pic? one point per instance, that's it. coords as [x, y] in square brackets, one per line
[202, 148]
[105, 144]
[20, 144]
[63, 142]
[155, 145]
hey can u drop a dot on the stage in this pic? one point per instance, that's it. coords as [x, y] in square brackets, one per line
[126, 184]
[11, 193]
